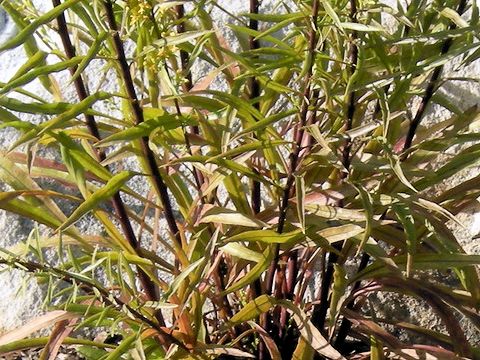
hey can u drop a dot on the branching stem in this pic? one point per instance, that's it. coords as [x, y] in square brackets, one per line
[320, 311]
[294, 160]
[158, 182]
[431, 87]
[118, 205]
[108, 298]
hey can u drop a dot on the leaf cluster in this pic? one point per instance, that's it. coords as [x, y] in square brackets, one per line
[300, 159]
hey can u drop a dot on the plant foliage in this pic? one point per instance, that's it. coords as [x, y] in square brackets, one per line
[229, 171]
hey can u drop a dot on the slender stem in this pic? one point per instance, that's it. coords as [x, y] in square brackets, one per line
[187, 86]
[158, 182]
[351, 96]
[431, 87]
[294, 159]
[294, 156]
[346, 324]
[108, 298]
[320, 311]
[254, 93]
[255, 197]
[184, 56]
[118, 205]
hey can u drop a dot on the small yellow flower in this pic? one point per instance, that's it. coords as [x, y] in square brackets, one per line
[140, 11]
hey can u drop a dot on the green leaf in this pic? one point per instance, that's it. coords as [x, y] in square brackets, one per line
[33, 61]
[163, 122]
[253, 274]
[280, 25]
[268, 237]
[310, 333]
[28, 30]
[465, 158]
[81, 108]
[338, 292]
[360, 27]
[254, 33]
[335, 212]
[331, 13]
[262, 124]
[408, 222]
[122, 348]
[101, 195]
[454, 16]
[77, 153]
[90, 55]
[39, 71]
[271, 17]
[181, 279]
[230, 217]
[178, 39]
[236, 192]
[34, 108]
[367, 202]
[75, 169]
[422, 262]
[242, 252]
[252, 310]
[37, 342]
[254, 145]
[340, 233]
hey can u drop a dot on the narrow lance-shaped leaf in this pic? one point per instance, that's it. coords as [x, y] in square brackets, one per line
[76, 170]
[27, 31]
[300, 196]
[90, 55]
[180, 279]
[81, 108]
[101, 195]
[408, 223]
[33, 61]
[310, 333]
[252, 310]
[253, 274]
[422, 262]
[39, 71]
[338, 291]
[122, 348]
[163, 122]
[35, 107]
[75, 110]
[367, 205]
[268, 236]
[29, 44]
[231, 217]
[242, 252]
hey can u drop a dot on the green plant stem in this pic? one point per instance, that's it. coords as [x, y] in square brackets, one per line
[198, 176]
[294, 157]
[108, 298]
[157, 179]
[184, 56]
[320, 311]
[118, 205]
[254, 93]
[346, 324]
[431, 87]
[351, 96]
